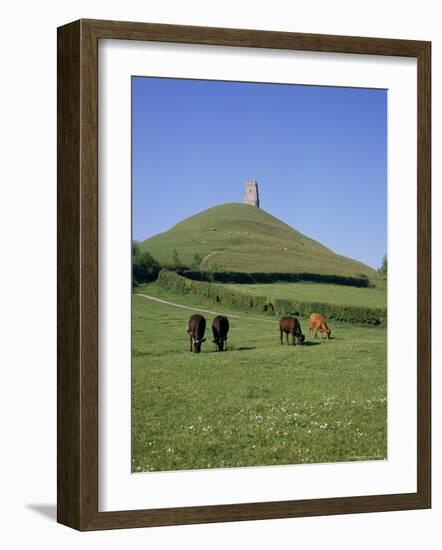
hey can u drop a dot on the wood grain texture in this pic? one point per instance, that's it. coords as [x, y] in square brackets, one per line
[252, 38]
[424, 274]
[77, 223]
[68, 276]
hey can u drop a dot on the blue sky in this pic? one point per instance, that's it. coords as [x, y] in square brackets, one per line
[319, 155]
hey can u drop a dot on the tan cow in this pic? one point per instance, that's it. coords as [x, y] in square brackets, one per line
[317, 323]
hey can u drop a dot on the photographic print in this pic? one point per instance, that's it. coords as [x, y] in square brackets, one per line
[259, 274]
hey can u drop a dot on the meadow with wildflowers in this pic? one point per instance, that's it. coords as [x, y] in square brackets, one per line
[258, 403]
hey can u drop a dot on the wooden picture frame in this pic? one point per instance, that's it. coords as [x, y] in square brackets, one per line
[77, 461]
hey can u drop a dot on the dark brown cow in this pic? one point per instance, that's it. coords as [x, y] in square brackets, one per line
[317, 323]
[290, 325]
[220, 328]
[195, 329]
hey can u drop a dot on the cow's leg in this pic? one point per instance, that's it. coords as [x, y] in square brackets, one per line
[280, 336]
[190, 337]
[287, 337]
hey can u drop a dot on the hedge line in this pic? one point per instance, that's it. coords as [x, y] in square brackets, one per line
[252, 278]
[261, 304]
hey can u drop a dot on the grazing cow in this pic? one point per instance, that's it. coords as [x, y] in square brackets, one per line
[317, 323]
[195, 329]
[220, 328]
[290, 325]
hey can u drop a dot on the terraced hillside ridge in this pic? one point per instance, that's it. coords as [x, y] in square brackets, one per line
[241, 238]
[319, 292]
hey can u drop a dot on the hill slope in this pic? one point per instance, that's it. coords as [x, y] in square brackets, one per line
[240, 237]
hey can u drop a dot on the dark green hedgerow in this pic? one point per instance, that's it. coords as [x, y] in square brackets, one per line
[261, 304]
[253, 278]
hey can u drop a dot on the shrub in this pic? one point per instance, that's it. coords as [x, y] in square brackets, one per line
[383, 270]
[135, 248]
[144, 268]
[196, 260]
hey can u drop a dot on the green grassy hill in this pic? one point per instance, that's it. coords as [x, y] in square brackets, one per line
[240, 237]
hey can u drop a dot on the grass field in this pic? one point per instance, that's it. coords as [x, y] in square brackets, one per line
[319, 292]
[259, 403]
[243, 238]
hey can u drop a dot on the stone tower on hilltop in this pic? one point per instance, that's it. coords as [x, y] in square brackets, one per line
[251, 193]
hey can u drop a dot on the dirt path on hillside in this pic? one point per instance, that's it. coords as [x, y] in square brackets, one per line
[173, 304]
[204, 260]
